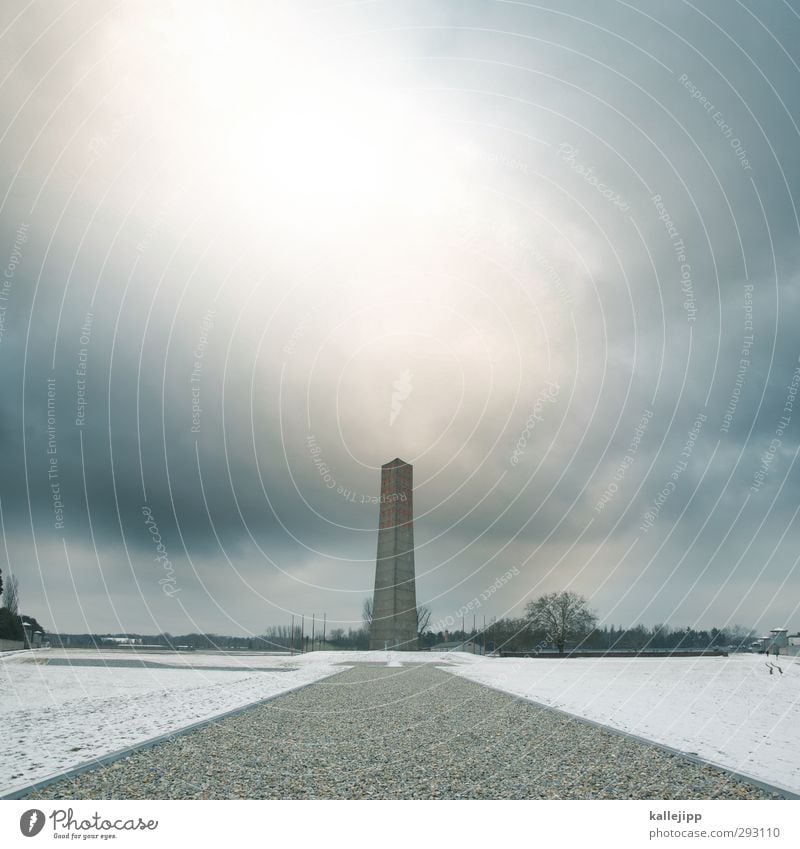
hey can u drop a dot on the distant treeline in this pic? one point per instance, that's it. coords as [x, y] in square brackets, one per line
[167, 641]
[517, 635]
[275, 638]
[504, 634]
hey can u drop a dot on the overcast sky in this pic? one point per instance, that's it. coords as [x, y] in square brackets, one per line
[546, 253]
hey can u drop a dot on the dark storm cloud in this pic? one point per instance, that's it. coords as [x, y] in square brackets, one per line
[595, 229]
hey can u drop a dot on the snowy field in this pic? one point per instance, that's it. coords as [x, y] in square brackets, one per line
[62, 708]
[727, 710]
[55, 717]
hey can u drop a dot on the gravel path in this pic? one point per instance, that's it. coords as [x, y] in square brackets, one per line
[415, 732]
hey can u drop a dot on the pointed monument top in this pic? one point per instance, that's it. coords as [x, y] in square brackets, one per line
[394, 463]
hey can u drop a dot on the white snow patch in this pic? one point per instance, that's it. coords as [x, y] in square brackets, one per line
[57, 717]
[728, 710]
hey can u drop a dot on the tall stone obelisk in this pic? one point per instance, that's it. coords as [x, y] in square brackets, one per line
[394, 605]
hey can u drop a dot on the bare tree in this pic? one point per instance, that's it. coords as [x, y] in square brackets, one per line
[277, 635]
[563, 616]
[423, 619]
[11, 595]
[423, 616]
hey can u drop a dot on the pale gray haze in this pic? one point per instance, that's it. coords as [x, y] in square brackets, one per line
[547, 253]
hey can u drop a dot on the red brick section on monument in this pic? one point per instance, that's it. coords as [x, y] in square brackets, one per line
[394, 607]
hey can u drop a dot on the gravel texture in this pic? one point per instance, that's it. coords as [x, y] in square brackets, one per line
[413, 732]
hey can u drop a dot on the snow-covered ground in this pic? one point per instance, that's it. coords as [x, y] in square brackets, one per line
[727, 710]
[55, 717]
[730, 711]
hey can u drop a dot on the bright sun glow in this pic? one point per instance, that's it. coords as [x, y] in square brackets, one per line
[277, 117]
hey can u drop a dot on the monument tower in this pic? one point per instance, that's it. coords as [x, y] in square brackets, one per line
[394, 605]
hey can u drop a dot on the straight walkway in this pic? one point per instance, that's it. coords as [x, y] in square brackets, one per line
[413, 732]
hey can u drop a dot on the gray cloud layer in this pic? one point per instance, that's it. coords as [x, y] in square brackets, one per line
[491, 239]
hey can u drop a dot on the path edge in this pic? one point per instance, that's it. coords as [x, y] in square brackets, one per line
[104, 760]
[671, 750]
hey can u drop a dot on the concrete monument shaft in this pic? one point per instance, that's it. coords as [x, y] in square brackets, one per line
[394, 606]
